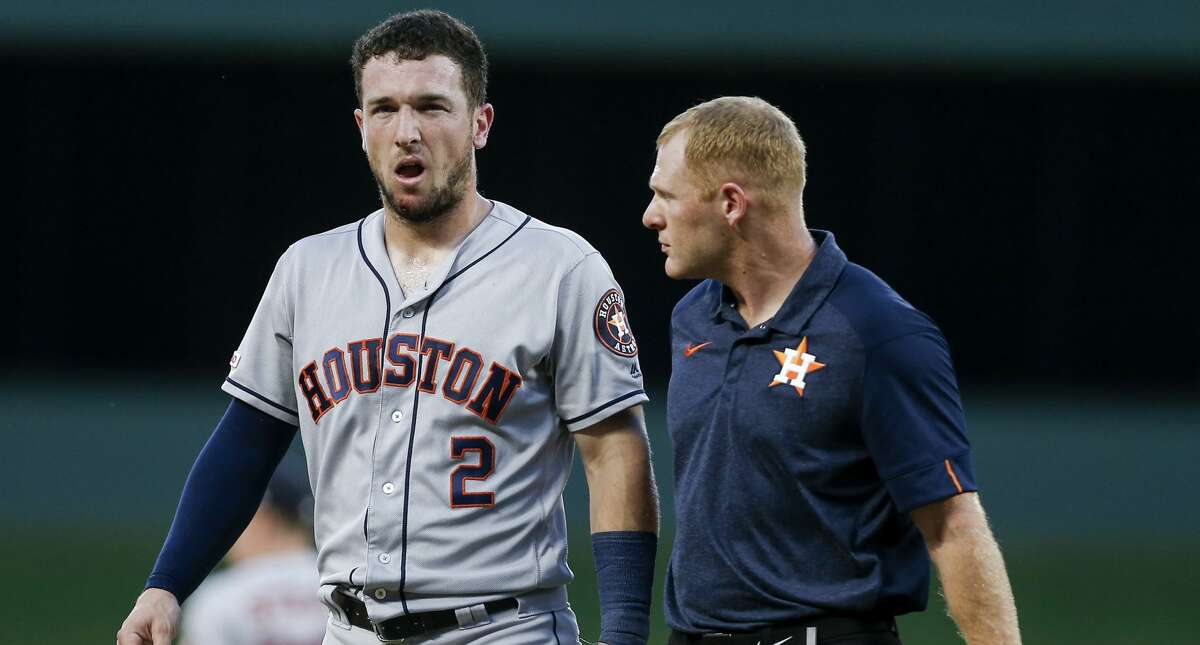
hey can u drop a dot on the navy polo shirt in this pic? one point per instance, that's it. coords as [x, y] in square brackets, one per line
[801, 445]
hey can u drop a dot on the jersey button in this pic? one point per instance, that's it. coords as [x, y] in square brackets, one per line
[409, 313]
[397, 416]
[380, 594]
[389, 488]
[385, 558]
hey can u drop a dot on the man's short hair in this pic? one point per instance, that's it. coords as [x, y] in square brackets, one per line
[415, 35]
[740, 138]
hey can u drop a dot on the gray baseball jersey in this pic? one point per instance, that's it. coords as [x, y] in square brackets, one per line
[268, 599]
[437, 423]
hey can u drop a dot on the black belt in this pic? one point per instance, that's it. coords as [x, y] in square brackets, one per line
[827, 627]
[409, 625]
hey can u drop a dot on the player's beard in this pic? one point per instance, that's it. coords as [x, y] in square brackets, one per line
[442, 199]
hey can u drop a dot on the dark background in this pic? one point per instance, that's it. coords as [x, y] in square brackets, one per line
[1047, 223]
[1025, 172]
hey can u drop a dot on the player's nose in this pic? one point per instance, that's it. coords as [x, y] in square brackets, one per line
[651, 218]
[408, 128]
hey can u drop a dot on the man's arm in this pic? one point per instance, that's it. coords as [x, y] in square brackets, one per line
[971, 569]
[616, 458]
[624, 521]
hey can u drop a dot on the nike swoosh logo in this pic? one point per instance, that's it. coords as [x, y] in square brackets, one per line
[692, 349]
[783, 641]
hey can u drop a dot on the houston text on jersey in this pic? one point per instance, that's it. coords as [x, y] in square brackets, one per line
[325, 383]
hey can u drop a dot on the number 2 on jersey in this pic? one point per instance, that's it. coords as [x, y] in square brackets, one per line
[459, 447]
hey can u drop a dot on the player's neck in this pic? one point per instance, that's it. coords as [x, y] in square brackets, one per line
[764, 268]
[431, 240]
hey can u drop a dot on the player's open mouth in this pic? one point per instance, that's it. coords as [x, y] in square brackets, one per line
[409, 171]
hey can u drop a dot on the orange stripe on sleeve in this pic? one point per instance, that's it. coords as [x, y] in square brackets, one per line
[953, 477]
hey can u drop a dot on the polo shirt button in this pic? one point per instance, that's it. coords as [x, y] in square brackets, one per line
[385, 558]
[380, 594]
[397, 416]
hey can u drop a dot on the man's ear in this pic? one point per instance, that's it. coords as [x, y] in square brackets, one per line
[483, 124]
[734, 203]
[358, 119]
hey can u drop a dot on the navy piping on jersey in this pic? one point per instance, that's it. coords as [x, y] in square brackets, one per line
[416, 393]
[387, 315]
[606, 405]
[260, 397]
[554, 615]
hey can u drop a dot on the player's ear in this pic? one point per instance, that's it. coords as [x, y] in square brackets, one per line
[734, 202]
[483, 125]
[358, 119]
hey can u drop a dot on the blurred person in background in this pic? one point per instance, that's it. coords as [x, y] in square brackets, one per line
[267, 595]
[821, 458]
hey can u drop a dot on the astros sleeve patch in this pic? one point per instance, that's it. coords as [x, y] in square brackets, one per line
[594, 357]
[612, 324]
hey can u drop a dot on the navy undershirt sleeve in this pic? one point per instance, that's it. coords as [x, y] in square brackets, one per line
[221, 494]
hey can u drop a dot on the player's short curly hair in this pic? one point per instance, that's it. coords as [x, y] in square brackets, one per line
[740, 138]
[416, 34]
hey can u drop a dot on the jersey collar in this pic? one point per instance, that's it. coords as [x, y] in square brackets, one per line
[807, 295]
[499, 223]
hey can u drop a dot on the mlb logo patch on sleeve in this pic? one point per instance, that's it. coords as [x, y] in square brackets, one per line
[237, 358]
[612, 324]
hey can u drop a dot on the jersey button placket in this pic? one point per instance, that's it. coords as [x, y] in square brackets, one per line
[387, 509]
[383, 543]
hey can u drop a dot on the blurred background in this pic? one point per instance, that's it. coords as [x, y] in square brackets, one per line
[1025, 172]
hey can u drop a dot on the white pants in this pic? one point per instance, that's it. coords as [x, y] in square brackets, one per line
[505, 628]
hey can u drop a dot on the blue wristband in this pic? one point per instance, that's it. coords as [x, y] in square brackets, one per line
[624, 577]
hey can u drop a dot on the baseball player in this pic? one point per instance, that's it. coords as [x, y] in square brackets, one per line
[441, 357]
[804, 383]
[265, 596]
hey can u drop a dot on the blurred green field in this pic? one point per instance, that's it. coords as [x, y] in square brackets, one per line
[77, 588]
[1060, 591]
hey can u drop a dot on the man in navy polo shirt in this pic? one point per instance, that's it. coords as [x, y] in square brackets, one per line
[820, 454]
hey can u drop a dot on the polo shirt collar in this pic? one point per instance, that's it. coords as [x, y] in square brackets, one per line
[809, 293]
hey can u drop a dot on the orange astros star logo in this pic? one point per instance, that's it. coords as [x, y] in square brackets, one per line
[795, 364]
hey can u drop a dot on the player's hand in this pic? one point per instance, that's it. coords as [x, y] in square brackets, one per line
[153, 621]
